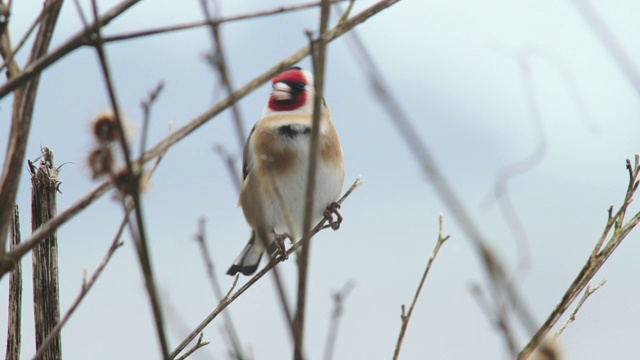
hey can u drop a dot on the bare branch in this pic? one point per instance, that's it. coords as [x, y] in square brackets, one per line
[572, 317]
[131, 190]
[178, 135]
[501, 286]
[211, 22]
[338, 306]
[42, 61]
[218, 60]
[405, 318]
[497, 313]
[9, 53]
[318, 56]
[231, 297]
[147, 105]
[14, 255]
[598, 257]
[229, 161]
[23, 105]
[534, 158]
[195, 347]
[84, 290]
[217, 290]
[625, 61]
[494, 268]
[14, 323]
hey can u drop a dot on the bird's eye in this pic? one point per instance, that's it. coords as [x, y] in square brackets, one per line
[297, 86]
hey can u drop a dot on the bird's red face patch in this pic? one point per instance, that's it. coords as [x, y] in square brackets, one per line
[296, 81]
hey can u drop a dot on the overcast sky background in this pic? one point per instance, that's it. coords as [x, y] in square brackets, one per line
[456, 68]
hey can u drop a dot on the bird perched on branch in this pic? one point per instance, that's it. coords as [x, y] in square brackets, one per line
[275, 167]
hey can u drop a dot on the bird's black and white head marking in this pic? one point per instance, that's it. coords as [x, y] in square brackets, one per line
[290, 90]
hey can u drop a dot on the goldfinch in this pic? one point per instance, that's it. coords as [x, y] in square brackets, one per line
[275, 166]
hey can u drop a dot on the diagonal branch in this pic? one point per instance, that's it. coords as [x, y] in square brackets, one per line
[217, 290]
[572, 317]
[162, 147]
[84, 290]
[211, 22]
[609, 40]
[23, 104]
[405, 318]
[598, 257]
[42, 61]
[218, 59]
[272, 263]
[131, 190]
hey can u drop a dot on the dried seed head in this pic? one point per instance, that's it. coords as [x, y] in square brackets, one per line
[126, 184]
[548, 350]
[105, 127]
[100, 162]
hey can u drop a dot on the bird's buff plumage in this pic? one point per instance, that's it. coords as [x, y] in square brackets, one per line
[275, 166]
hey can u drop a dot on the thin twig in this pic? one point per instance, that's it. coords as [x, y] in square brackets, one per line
[76, 41]
[599, 256]
[338, 306]
[83, 18]
[318, 57]
[281, 203]
[572, 317]
[531, 160]
[211, 22]
[406, 317]
[23, 105]
[229, 161]
[217, 290]
[43, 231]
[147, 105]
[7, 53]
[178, 135]
[262, 234]
[84, 290]
[232, 296]
[622, 57]
[132, 190]
[492, 265]
[497, 313]
[195, 347]
[218, 60]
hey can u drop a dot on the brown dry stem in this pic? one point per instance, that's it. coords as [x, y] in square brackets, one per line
[406, 317]
[272, 263]
[616, 230]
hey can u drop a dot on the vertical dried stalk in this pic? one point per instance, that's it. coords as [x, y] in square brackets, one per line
[179, 134]
[15, 295]
[338, 307]
[23, 103]
[318, 59]
[45, 255]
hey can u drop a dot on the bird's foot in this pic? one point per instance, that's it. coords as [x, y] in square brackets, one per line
[279, 242]
[332, 209]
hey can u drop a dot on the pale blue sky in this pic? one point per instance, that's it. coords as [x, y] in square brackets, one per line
[454, 67]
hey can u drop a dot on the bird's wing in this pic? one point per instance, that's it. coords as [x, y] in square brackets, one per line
[247, 156]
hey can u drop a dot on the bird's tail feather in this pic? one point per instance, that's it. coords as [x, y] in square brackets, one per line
[249, 259]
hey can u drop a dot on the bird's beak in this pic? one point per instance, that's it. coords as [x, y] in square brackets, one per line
[281, 91]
